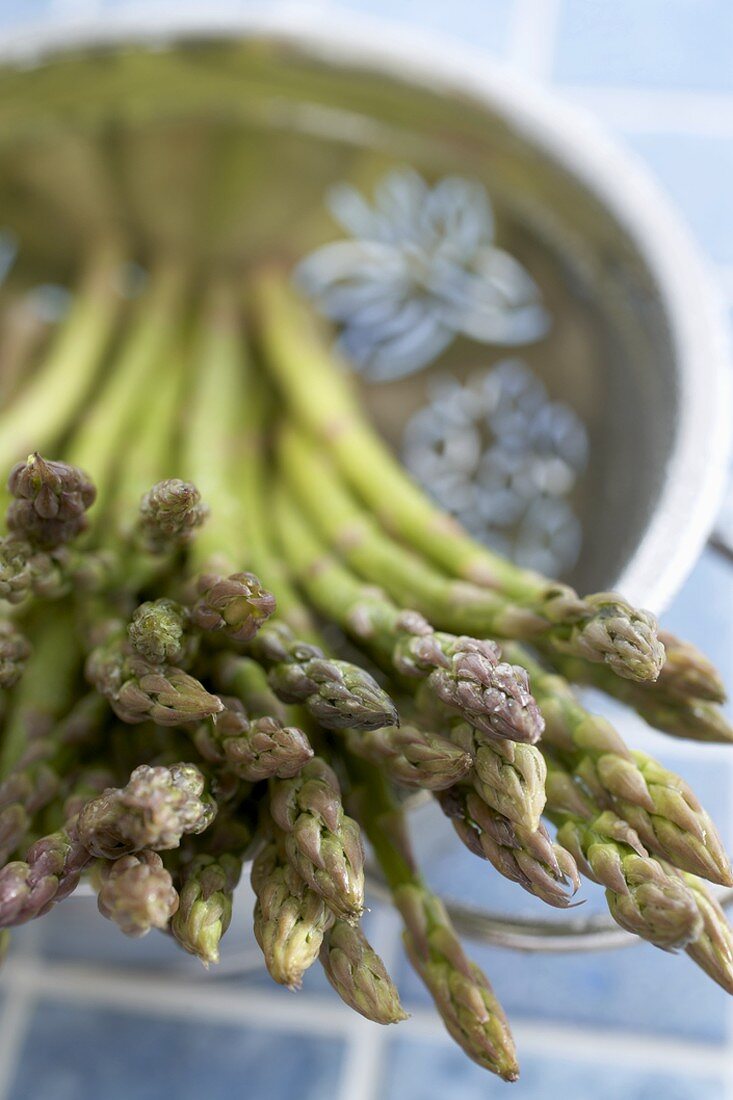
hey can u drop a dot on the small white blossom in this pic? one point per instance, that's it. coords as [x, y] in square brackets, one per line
[503, 458]
[420, 267]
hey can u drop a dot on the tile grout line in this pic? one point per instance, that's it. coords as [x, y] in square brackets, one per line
[362, 1072]
[533, 37]
[649, 110]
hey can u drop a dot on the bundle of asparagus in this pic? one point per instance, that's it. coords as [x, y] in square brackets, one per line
[176, 567]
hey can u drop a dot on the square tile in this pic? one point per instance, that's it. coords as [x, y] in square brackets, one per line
[416, 1070]
[646, 43]
[89, 1052]
[697, 173]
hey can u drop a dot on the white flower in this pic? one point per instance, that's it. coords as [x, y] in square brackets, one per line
[503, 458]
[419, 268]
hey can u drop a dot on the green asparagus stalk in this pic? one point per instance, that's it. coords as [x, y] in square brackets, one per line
[656, 803]
[336, 693]
[604, 627]
[160, 632]
[525, 856]
[152, 338]
[461, 992]
[48, 404]
[466, 674]
[615, 633]
[642, 896]
[46, 691]
[678, 715]
[136, 892]
[358, 975]
[290, 918]
[322, 842]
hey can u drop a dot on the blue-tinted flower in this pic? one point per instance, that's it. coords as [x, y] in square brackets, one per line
[419, 268]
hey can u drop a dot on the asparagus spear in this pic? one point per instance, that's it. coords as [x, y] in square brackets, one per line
[322, 842]
[254, 750]
[136, 892]
[525, 856]
[290, 918]
[616, 634]
[656, 803]
[50, 501]
[58, 389]
[642, 896]
[712, 950]
[358, 975]
[336, 693]
[461, 992]
[138, 690]
[156, 807]
[466, 674]
[410, 755]
[679, 715]
[205, 911]
[105, 429]
[53, 864]
[46, 691]
[604, 627]
[160, 633]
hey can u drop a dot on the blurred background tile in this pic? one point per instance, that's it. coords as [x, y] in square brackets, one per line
[201, 1058]
[646, 43]
[416, 1070]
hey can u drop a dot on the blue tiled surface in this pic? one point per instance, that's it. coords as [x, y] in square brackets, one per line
[648, 43]
[697, 172]
[221, 1059]
[414, 1067]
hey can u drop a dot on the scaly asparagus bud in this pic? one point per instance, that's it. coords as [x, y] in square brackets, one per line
[411, 756]
[137, 893]
[492, 695]
[49, 873]
[159, 633]
[138, 691]
[337, 693]
[205, 911]
[236, 605]
[507, 775]
[51, 499]
[359, 976]
[643, 897]
[659, 806]
[253, 750]
[156, 807]
[15, 649]
[170, 513]
[527, 857]
[290, 919]
[322, 842]
[617, 634]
